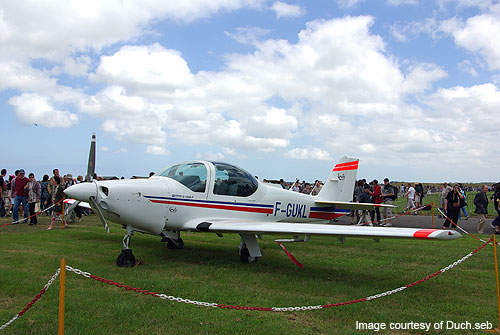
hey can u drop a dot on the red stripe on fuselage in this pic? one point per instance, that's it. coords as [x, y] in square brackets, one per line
[325, 216]
[230, 208]
[423, 233]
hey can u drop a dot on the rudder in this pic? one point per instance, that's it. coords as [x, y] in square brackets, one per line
[340, 183]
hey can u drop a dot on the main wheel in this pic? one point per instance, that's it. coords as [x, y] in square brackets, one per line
[178, 244]
[244, 255]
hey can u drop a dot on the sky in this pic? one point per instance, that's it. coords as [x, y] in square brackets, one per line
[279, 88]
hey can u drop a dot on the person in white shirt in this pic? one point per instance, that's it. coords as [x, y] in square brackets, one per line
[410, 195]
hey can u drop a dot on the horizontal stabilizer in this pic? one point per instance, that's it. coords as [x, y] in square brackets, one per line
[80, 203]
[352, 205]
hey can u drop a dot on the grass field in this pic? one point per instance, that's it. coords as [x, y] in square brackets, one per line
[208, 269]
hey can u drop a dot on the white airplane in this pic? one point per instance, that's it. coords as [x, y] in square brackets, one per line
[204, 196]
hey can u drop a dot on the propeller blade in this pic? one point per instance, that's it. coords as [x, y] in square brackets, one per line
[97, 208]
[91, 165]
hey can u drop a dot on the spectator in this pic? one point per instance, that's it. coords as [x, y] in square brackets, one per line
[55, 174]
[68, 181]
[419, 195]
[34, 192]
[316, 188]
[454, 200]
[410, 195]
[388, 196]
[57, 198]
[45, 199]
[307, 189]
[19, 190]
[444, 193]
[481, 203]
[496, 204]
[79, 179]
[282, 183]
[3, 188]
[377, 199]
[359, 189]
[8, 196]
[296, 186]
[364, 215]
[463, 209]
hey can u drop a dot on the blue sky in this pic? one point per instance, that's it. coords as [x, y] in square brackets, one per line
[280, 88]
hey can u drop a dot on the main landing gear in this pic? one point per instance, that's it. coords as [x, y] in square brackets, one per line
[249, 248]
[173, 239]
[126, 258]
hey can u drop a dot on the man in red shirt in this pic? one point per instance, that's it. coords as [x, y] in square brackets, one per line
[19, 186]
[377, 199]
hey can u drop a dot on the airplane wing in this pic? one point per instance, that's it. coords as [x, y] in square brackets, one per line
[80, 203]
[352, 205]
[262, 227]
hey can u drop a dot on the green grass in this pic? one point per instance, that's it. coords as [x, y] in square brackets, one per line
[208, 269]
[436, 198]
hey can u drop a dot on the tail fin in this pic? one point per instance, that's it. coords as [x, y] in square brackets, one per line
[340, 183]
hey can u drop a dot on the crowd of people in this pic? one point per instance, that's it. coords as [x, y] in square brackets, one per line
[19, 191]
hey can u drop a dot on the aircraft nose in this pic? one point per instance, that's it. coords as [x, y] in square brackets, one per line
[81, 192]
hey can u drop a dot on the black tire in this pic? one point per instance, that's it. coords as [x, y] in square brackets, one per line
[126, 258]
[172, 245]
[244, 255]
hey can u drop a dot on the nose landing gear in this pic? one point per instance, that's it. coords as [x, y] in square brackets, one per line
[126, 258]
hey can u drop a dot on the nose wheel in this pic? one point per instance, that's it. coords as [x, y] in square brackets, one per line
[126, 257]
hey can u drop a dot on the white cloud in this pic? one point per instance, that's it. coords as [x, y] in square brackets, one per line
[247, 35]
[348, 3]
[468, 67]
[104, 148]
[407, 31]
[283, 9]
[156, 150]
[120, 151]
[163, 69]
[309, 154]
[479, 34]
[36, 109]
[421, 76]
[402, 2]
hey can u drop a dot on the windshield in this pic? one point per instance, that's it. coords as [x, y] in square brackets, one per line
[193, 175]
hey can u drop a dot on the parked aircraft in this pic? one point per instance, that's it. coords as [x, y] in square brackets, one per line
[216, 197]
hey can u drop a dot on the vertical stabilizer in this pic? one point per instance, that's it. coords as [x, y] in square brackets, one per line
[91, 165]
[340, 183]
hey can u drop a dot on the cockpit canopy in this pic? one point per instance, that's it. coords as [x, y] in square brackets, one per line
[233, 181]
[229, 180]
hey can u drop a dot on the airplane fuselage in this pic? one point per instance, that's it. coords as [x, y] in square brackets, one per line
[161, 203]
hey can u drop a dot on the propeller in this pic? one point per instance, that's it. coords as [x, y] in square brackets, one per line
[91, 165]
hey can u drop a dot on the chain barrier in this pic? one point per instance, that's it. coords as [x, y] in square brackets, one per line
[37, 297]
[32, 215]
[275, 309]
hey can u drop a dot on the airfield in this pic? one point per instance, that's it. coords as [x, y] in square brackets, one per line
[208, 269]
